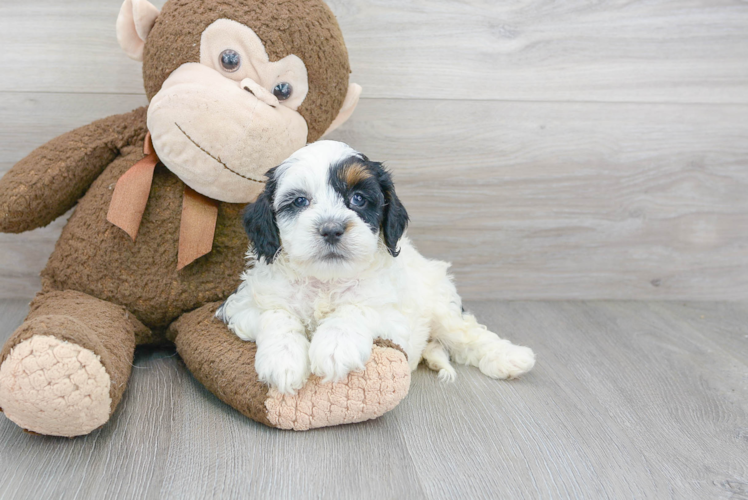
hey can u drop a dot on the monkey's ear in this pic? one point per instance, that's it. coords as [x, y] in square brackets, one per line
[346, 110]
[135, 20]
[395, 217]
[260, 225]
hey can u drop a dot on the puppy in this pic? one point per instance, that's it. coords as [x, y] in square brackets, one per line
[334, 270]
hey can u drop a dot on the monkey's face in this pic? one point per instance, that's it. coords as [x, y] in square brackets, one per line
[220, 124]
[237, 86]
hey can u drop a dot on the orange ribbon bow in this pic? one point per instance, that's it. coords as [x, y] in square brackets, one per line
[199, 213]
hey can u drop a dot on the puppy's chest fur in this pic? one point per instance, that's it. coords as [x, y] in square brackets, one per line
[313, 300]
[392, 298]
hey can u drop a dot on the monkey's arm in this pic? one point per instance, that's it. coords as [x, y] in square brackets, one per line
[49, 181]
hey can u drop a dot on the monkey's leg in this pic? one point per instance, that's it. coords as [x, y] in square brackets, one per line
[64, 370]
[225, 365]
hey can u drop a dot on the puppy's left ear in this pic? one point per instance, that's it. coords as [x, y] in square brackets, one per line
[259, 222]
[395, 217]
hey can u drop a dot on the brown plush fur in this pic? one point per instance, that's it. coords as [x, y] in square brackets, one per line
[221, 361]
[97, 325]
[95, 257]
[49, 181]
[107, 293]
[305, 28]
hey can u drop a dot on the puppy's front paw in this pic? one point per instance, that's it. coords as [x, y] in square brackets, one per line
[507, 361]
[334, 353]
[287, 370]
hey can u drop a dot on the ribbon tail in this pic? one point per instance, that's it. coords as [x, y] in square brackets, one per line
[131, 193]
[197, 227]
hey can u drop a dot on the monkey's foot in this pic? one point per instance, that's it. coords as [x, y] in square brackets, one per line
[225, 365]
[361, 396]
[49, 386]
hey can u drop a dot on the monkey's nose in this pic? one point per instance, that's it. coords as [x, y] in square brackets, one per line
[332, 231]
[259, 92]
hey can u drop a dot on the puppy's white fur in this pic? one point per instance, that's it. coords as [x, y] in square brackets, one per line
[317, 309]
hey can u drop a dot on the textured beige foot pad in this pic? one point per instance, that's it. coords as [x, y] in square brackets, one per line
[362, 396]
[53, 387]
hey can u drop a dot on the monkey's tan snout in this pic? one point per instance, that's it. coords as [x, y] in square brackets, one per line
[260, 92]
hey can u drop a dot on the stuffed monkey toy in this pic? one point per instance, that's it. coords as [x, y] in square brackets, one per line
[156, 241]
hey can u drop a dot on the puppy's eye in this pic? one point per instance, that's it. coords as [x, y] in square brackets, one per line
[301, 202]
[357, 200]
[283, 91]
[230, 60]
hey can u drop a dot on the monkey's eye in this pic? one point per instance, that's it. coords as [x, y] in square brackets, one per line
[230, 60]
[283, 91]
[301, 202]
[357, 200]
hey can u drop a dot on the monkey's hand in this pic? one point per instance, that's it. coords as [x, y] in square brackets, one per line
[49, 181]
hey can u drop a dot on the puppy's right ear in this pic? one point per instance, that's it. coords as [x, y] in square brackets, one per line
[259, 222]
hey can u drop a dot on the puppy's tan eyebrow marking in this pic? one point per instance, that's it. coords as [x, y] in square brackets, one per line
[353, 174]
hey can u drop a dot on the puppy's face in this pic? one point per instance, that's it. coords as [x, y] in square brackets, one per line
[329, 208]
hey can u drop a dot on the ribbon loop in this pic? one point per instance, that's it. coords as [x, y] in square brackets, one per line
[199, 213]
[131, 192]
[197, 227]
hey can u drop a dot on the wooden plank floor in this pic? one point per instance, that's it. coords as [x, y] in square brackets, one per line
[628, 400]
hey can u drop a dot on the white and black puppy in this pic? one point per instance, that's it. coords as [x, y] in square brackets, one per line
[334, 271]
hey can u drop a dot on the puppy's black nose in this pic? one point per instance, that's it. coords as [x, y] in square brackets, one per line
[331, 232]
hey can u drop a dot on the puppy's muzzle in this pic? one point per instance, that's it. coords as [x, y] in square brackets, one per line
[332, 231]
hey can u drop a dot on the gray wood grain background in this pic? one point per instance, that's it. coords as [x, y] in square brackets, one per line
[548, 149]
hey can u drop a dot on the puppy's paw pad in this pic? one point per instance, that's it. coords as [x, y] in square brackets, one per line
[509, 361]
[287, 374]
[447, 375]
[333, 361]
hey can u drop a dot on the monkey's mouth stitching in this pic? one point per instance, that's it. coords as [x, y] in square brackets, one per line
[262, 181]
